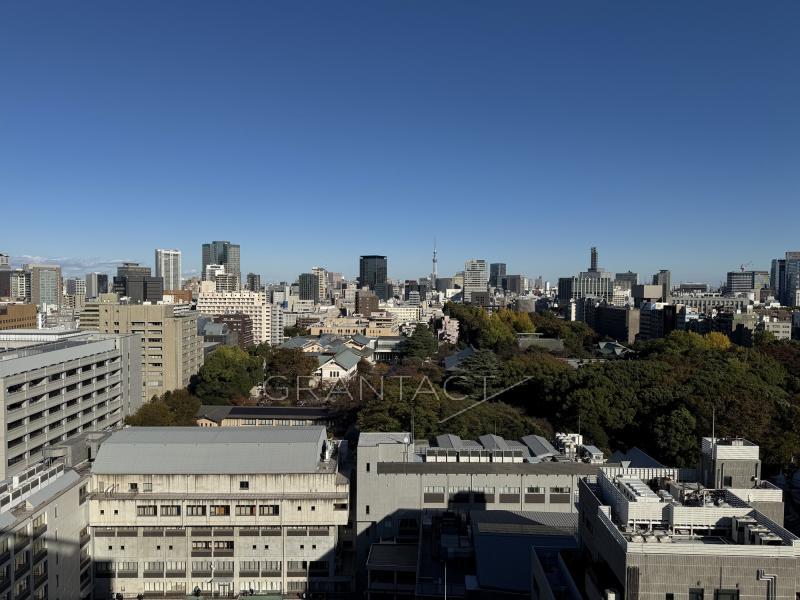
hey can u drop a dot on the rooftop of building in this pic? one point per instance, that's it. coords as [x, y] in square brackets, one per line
[215, 450]
[677, 517]
[503, 541]
[50, 343]
[394, 556]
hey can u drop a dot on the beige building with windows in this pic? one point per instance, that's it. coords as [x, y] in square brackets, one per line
[172, 351]
[222, 510]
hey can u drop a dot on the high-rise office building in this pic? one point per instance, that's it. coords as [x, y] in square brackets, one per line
[592, 283]
[96, 284]
[791, 279]
[742, 282]
[496, 273]
[46, 284]
[322, 277]
[20, 284]
[5, 276]
[168, 267]
[663, 278]
[75, 286]
[777, 276]
[309, 287]
[135, 282]
[223, 253]
[253, 282]
[626, 280]
[372, 270]
[476, 277]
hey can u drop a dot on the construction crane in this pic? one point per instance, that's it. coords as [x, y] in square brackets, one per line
[747, 264]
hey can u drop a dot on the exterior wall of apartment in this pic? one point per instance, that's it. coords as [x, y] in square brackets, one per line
[282, 546]
[267, 318]
[52, 392]
[44, 547]
[171, 349]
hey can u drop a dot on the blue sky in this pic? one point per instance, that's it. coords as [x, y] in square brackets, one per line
[665, 133]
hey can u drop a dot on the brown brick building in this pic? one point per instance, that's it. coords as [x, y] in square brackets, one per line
[17, 316]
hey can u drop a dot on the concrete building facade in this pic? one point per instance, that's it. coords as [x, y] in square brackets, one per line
[168, 267]
[222, 510]
[171, 349]
[55, 390]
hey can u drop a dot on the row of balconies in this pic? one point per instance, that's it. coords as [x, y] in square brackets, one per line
[46, 384]
[209, 531]
[66, 402]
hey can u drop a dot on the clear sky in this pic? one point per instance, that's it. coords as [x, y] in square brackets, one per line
[665, 133]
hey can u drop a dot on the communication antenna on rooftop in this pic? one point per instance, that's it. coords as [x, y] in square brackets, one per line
[713, 426]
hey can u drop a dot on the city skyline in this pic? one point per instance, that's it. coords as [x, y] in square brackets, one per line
[73, 267]
[531, 132]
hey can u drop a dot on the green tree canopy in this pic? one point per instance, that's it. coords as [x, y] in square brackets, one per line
[229, 372]
[420, 344]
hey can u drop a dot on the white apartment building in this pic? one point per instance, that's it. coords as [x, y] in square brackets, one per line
[476, 277]
[220, 509]
[51, 391]
[168, 266]
[267, 318]
[402, 313]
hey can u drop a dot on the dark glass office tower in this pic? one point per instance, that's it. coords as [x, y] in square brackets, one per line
[371, 271]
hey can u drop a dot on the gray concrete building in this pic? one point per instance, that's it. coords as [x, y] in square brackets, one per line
[398, 479]
[654, 534]
[220, 510]
[54, 390]
[44, 534]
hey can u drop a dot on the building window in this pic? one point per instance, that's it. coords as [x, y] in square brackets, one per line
[695, 593]
[669, 596]
[244, 485]
[146, 511]
[196, 510]
[268, 510]
[133, 487]
[223, 545]
[367, 508]
[246, 510]
[367, 467]
[220, 510]
[171, 511]
[726, 594]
